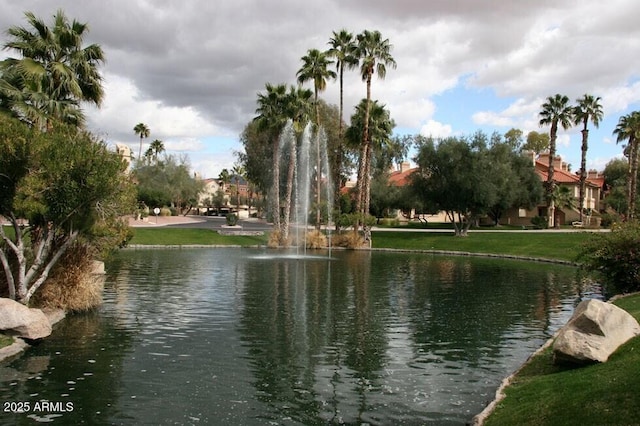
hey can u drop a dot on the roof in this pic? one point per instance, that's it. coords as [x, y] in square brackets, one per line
[401, 178]
[565, 177]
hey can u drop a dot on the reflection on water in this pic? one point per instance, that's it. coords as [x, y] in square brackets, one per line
[227, 336]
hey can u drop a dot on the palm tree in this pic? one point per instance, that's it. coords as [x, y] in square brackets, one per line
[55, 74]
[563, 199]
[225, 177]
[588, 108]
[157, 147]
[238, 173]
[148, 155]
[380, 130]
[628, 128]
[374, 55]
[555, 111]
[144, 132]
[272, 118]
[343, 49]
[314, 68]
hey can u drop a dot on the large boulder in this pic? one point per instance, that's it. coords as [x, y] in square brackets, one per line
[593, 333]
[19, 320]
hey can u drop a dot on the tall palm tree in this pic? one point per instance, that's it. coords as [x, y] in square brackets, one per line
[628, 128]
[55, 74]
[238, 173]
[272, 118]
[555, 111]
[343, 49]
[588, 108]
[157, 147]
[314, 67]
[143, 131]
[380, 130]
[374, 55]
[298, 109]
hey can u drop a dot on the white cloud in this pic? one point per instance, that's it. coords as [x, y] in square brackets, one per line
[436, 129]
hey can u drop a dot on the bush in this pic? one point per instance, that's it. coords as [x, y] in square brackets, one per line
[72, 285]
[616, 256]
[540, 222]
[232, 219]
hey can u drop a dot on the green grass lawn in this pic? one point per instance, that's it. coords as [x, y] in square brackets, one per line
[600, 394]
[191, 236]
[563, 246]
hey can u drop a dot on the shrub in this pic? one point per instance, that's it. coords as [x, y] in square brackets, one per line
[316, 239]
[540, 222]
[72, 285]
[616, 256]
[232, 219]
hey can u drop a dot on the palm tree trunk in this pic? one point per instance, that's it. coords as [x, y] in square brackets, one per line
[339, 152]
[550, 182]
[288, 197]
[632, 181]
[276, 184]
[583, 171]
[365, 141]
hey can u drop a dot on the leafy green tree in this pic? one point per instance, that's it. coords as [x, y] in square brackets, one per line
[374, 56]
[256, 156]
[615, 257]
[514, 178]
[555, 111]
[168, 183]
[513, 137]
[67, 185]
[143, 131]
[536, 142]
[588, 109]
[55, 73]
[450, 178]
[628, 129]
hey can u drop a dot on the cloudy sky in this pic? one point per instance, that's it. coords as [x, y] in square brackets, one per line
[191, 69]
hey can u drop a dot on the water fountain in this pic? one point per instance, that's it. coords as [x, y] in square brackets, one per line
[304, 158]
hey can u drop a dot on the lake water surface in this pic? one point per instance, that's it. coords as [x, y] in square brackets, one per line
[253, 337]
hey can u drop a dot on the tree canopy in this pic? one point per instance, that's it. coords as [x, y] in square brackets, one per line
[452, 177]
[66, 184]
[54, 74]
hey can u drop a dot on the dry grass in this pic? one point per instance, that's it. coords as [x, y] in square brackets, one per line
[348, 239]
[72, 284]
[316, 239]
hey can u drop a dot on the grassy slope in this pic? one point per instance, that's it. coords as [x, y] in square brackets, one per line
[545, 394]
[564, 246]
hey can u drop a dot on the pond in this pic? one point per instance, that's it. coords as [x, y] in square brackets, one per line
[254, 337]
